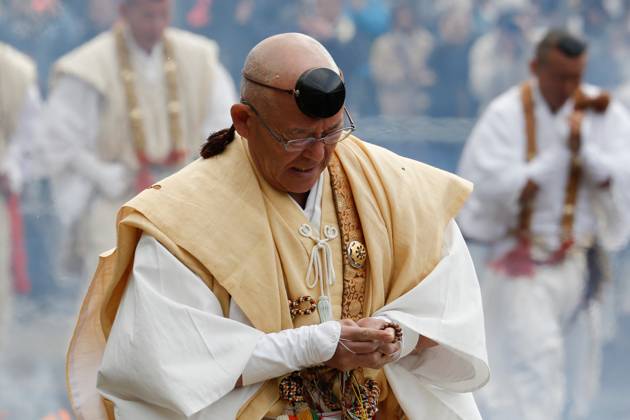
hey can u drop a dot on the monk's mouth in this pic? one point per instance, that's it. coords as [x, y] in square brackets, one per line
[307, 170]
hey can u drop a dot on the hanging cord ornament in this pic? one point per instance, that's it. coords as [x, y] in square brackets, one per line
[320, 268]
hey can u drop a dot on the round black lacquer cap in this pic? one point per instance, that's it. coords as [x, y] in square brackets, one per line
[320, 93]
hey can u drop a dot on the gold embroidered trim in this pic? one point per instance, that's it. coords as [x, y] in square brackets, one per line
[354, 279]
[173, 105]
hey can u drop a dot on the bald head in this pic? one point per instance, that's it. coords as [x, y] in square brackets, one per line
[280, 60]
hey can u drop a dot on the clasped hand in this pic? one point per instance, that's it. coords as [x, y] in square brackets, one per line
[364, 344]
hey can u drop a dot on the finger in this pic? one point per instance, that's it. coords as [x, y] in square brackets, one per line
[347, 323]
[365, 334]
[389, 349]
[391, 334]
[375, 323]
[361, 347]
[372, 360]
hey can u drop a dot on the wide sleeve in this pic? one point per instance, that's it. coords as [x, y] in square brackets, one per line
[21, 162]
[70, 120]
[493, 157]
[171, 352]
[71, 123]
[605, 156]
[445, 307]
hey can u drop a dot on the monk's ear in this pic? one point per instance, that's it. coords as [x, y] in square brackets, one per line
[241, 118]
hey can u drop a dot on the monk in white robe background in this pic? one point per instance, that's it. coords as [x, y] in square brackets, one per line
[549, 159]
[129, 107]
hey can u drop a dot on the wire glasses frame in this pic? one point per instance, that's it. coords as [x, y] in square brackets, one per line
[296, 145]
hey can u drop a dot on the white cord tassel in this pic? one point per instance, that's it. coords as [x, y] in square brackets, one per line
[320, 268]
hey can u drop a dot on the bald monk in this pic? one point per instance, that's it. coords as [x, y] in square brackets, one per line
[294, 271]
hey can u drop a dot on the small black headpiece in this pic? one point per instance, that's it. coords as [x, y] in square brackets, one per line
[318, 92]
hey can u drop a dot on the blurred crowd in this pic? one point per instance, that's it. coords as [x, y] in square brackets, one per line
[440, 58]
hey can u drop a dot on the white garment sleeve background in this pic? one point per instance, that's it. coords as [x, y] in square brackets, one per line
[71, 123]
[606, 156]
[498, 169]
[21, 162]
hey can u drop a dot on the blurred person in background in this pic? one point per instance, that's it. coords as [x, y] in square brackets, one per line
[399, 64]
[329, 22]
[450, 94]
[371, 18]
[239, 24]
[204, 311]
[549, 159]
[20, 106]
[603, 68]
[348, 29]
[131, 106]
[42, 29]
[499, 58]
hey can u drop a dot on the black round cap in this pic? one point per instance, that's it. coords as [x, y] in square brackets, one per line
[320, 93]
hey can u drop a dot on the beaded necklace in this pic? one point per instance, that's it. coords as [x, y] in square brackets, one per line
[128, 77]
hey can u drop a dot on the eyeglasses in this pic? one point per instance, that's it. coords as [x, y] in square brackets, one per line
[297, 145]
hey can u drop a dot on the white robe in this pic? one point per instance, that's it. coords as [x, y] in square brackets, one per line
[170, 337]
[527, 319]
[19, 165]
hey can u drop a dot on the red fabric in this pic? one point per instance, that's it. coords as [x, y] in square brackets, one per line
[19, 266]
[176, 157]
[144, 178]
[561, 253]
[517, 262]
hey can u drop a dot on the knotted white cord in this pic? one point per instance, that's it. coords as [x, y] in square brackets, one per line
[321, 253]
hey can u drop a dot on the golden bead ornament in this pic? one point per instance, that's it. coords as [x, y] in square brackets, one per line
[357, 254]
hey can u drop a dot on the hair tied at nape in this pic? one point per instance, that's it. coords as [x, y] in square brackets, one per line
[217, 142]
